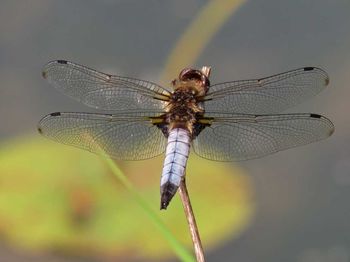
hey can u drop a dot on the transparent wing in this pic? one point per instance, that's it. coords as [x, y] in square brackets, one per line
[234, 137]
[128, 137]
[268, 95]
[104, 91]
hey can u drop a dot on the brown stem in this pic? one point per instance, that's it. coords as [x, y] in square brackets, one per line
[191, 220]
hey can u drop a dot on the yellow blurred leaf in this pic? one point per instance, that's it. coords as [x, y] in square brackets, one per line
[53, 197]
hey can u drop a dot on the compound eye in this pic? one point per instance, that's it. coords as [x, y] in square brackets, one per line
[184, 72]
[205, 80]
[190, 74]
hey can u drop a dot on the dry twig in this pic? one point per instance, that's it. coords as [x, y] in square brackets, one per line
[191, 220]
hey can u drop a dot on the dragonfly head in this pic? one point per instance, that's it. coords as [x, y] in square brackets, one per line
[189, 74]
[193, 79]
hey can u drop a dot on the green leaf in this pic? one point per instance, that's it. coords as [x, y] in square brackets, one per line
[54, 197]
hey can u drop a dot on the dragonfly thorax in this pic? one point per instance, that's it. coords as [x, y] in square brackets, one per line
[183, 109]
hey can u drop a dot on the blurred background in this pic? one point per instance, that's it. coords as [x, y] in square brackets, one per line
[63, 204]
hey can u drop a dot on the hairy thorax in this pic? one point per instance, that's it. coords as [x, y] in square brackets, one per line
[185, 105]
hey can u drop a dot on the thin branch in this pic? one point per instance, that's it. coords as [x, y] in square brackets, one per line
[191, 220]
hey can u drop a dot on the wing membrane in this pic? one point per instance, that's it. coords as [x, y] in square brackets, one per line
[130, 136]
[235, 137]
[104, 91]
[268, 95]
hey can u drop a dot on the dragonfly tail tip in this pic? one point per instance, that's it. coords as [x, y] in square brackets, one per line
[163, 205]
[168, 190]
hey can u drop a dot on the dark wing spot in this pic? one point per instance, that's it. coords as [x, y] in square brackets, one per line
[55, 114]
[44, 74]
[315, 116]
[327, 81]
[309, 68]
[40, 130]
[62, 61]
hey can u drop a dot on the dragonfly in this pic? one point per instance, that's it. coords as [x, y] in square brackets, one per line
[229, 121]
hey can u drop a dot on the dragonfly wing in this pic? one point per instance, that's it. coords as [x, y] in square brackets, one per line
[235, 137]
[125, 137]
[268, 95]
[104, 91]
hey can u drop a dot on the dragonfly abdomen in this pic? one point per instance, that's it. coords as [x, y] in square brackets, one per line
[176, 155]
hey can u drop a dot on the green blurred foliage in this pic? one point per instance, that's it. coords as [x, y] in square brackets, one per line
[57, 198]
